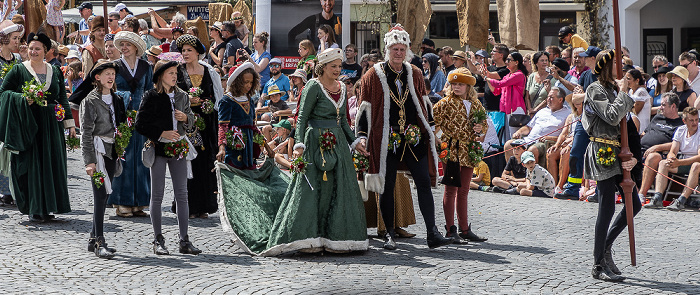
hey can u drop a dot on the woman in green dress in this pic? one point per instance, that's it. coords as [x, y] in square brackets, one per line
[39, 172]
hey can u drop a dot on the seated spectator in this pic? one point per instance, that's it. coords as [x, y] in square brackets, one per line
[658, 136]
[684, 152]
[545, 121]
[481, 177]
[567, 36]
[564, 80]
[642, 99]
[514, 173]
[274, 108]
[539, 183]
[558, 154]
[298, 81]
[278, 79]
[661, 85]
[681, 86]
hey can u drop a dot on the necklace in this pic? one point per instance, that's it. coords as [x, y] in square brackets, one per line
[399, 98]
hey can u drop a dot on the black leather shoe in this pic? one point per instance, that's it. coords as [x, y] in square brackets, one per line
[451, 232]
[101, 249]
[7, 199]
[471, 236]
[602, 272]
[159, 246]
[389, 242]
[36, 218]
[186, 247]
[91, 246]
[435, 239]
[609, 261]
[499, 190]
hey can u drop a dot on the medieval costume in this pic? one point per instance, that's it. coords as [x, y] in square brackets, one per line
[237, 114]
[456, 117]
[34, 138]
[391, 104]
[6, 28]
[133, 187]
[404, 214]
[604, 107]
[201, 189]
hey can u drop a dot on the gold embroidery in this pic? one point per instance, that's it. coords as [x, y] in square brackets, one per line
[196, 80]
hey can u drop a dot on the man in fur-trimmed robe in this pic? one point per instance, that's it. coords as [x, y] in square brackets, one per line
[394, 124]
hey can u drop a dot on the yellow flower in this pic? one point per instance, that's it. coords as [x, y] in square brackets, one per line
[600, 150]
[609, 149]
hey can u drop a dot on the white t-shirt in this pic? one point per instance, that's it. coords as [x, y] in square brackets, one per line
[688, 145]
[644, 115]
[545, 122]
[695, 84]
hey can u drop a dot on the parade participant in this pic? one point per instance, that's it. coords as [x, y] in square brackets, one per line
[385, 106]
[100, 113]
[456, 116]
[96, 50]
[237, 112]
[131, 190]
[601, 120]
[162, 127]
[111, 51]
[40, 187]
[10, 37]
[194, 73]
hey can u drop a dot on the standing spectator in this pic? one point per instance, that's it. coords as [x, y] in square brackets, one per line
[85, 10]
[511, 87]
[327, 38]
[497, 71]
[446, 57]
[96, 50]
[160, 127]
[113, 22]
[351, 68]
[278, 79]
[40, 187]
[152, 55]
[427, 46]
[353, 95]
[123, 11]
[661, 85]
[567, 36]
[149, 39]
[52, 55]
[536, 82]
[307, 51]
[527, 61]
[454, 116]
[261, 57]
[54, 17]
[176, 32]
[217, 49]
[131, 191]
[588, 76]
[642, 99]
[241, 27]
[690, 62]
[74, 76]
[433, 72]
[681, 87]
[566, 55]
[161, 29]
[233, 43]
[579, 66]
[459, 58]
[62, 53]
[554, 52]
[13, 7]
[201, 188]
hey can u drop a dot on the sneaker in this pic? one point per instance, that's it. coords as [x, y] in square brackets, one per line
[558, 190]
[497, 189]
[676, 205]
[654, 203]
[483, 188]
[512, 191]
[592, 198]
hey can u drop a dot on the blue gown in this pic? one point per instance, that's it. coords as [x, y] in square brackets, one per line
[232, 114]
[133, 187]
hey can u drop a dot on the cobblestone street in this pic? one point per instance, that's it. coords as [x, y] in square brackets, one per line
[535, 246]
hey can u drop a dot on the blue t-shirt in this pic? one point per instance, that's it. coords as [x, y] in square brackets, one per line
[657, 98]
[265, 74]
[282, 83]
[83, 25]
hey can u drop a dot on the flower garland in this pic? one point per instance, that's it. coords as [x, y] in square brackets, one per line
[33, 90]
[444, 152]
[361, 163]
[605, 157]
[412, 134]
[6, 68]
[60, 112]
[178, 149]
[475, 151]
[207, 106]
[199, 122]
[98, 178]
[234, 138]
[122, 136]
[394, 140]
[72, 143]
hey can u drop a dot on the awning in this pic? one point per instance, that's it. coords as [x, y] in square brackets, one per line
[73, 15]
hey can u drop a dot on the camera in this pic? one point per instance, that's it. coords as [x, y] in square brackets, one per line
[548, 70]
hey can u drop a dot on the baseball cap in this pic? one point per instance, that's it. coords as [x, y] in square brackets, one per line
[482, 53]
[284, 124]
[119, 7]
[518, 142]
[592, 51]
[527, 157]
[276, 61]
[83, 5]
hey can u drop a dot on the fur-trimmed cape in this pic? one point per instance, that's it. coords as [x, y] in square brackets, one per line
[374, 107]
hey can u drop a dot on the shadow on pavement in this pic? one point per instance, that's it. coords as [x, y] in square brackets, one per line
[514, 248]
[663, 286]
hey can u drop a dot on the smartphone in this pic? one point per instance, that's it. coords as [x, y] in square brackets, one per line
[548, 70]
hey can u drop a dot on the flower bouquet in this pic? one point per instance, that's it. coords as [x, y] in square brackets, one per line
[412, 135]
[234, 139]
[444, 152]
[98, 178]
[199, 122]
[178, 149]
[299, 166]
[60, 112]
[72, 143]
[6, 68]
[361, 162]
[196, 92]
[475, 151]
[259, 139]
[122, 135]
[207, 106]
[478, 116]
[327, 140]
[605, 157]
[394, 140]
[34, 91]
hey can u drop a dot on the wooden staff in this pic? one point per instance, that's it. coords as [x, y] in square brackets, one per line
[625, 155]
[104, 13]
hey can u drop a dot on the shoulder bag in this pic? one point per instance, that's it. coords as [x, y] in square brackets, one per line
[148, 154]
[518, 120]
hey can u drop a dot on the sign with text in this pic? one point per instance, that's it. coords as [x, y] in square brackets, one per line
[198, 11]
[289, 62]
[301, 20]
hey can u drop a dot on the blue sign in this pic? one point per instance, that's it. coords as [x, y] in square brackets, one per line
[198, 11]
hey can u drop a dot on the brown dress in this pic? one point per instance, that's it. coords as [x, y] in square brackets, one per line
[404, 214]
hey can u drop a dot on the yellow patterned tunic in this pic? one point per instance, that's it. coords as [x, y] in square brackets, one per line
[457, 127]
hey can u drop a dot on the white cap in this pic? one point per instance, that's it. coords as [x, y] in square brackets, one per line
[119, 7]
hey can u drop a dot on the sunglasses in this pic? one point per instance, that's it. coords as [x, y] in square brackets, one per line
[509, 59]
[685, 65]
[275, 66]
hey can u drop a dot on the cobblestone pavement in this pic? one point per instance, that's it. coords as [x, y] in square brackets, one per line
[535, 246]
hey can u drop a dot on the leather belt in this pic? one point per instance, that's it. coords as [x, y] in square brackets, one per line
[605, 141]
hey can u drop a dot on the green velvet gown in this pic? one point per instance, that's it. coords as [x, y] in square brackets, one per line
[38, 165]
[313, 213]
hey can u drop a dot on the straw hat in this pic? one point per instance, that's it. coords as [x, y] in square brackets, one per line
[681, 72]
[155, 50]
[299, 73]
[132, 38]
[273, 89]
[460, 54]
